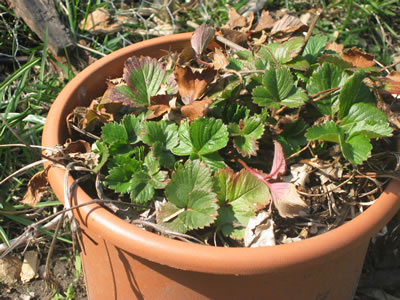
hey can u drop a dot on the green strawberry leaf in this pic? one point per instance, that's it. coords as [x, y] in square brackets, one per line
[243, 191]
[349, 92]
[292, 138]
[371, 129]
[326, 77]
[146, 77]
[314, 48]
[132, 127]
[114, 133]
[246, 134]
[190, 190]
[278, 89]
[141, 188]
[282, 52]
[328, 131]
[208, 135]
[185, 146]
[362, 112]
[356, 148]
[119, 177]
[213, 160]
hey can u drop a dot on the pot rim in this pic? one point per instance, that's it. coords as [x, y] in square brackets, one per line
[218, 260]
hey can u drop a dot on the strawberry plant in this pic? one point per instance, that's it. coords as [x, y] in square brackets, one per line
[199, 138]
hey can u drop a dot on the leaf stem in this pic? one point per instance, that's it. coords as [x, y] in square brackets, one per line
[255, 173]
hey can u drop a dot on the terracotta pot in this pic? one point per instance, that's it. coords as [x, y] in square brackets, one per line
[122, 261]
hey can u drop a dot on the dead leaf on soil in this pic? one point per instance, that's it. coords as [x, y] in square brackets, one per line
[260, 231]
[196, 109]
[338, 48]
[235, 19]
[235, 36]
[10, 269]
[358, 59]
[192, 84]
[219, 60]
[159, 106]
[287, 200]
[266, 21]
[201, 37]
[100, 22]
[30, 266]
[286, 26]
[36, 189]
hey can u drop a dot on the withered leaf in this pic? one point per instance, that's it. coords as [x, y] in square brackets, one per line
[235, 36]
[288, 24]
[287, 199]
[196, 109]
[358, 59]
[36, 189]
[100, 22]
[219, 60]
[201, 37]
[266, 21]
[159, 106]
[338, 48]
[192, 84]
[235, 19]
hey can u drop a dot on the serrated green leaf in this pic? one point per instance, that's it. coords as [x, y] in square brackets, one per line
[314, 48]
[349, 92]
[362, 112]
[141, 188]
[243, 191]
[296, 98]
[228, 224]
[132, 127]
[160, 132]
[152, 167]
[213, 160]
[185, 146]
[246, 145]
[100, 148]
[326, 77]
[145, 77]
[292, 138]
[356, 149]
[371, 129]
[328, 131]
[190, 189]
[246, 134]
[119, 177]
[164, 155]
[253, 126]
[114, 133]
[298, 63]
[282, 52]
[208, 135]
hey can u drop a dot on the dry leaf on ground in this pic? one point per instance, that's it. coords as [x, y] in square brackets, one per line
[235, 19]
[196, 109]
[358, 59]
[288, 24]
[36, 189]
[392, 83]
[30, 266]
[260, 231]
[10, 268]
[159, 106]
[266, 21]
[193, 84]
[219, 60]
[100, 22]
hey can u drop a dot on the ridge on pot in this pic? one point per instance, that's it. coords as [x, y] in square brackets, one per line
[122, 261]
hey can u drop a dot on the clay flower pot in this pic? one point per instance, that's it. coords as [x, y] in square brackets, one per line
[122, 261]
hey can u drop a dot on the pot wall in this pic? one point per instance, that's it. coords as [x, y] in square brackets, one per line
[122, 261]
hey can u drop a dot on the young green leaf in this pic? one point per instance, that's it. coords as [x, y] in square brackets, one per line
[362, 112]
[326, 77]
[190, 192]
[114, 133]
[145, 76]
[132, 127]
[245, 135]
[356, 148]
[329, 131]
[243, 191]
[280, 52]
[278, 89]
[349, 92]
[314, 48]
[119, 177]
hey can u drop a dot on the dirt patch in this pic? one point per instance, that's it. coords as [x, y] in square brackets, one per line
[68, 285]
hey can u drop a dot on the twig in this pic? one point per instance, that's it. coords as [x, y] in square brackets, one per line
[23, 169]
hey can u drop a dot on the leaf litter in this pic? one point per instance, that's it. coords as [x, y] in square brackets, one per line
[312, 197]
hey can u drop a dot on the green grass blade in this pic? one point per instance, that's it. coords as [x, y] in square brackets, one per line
[21, 71]
[3, 237]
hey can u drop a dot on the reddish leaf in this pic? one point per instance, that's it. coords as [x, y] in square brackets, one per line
[266, 21]
[196, 109]
[279, 163]
[37, 187]
[392, 83]
[192, 84]
[201, 37]
[358, 58]
[286, 199]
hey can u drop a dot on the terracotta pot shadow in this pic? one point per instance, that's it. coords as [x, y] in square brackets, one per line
[122, 261]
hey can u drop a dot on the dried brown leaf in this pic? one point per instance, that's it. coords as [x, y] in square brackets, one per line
[159, 106]
[101, 22]
[201, 37]
[235, 19]
[219, 60]
[338, 48]
[196, 109]
[288, 24]
[358, 59]
[266, 21]
[392, 83]
[192, 84]
[235, 36]
[36, 189]
[287, 200]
